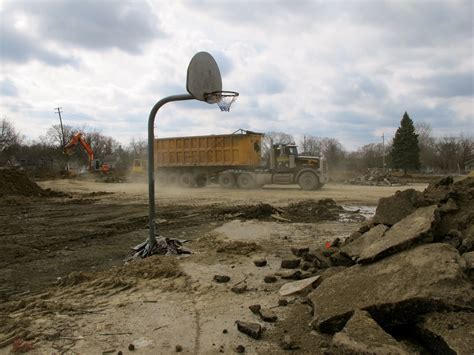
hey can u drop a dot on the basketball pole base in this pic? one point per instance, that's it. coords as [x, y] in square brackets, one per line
[151, 167]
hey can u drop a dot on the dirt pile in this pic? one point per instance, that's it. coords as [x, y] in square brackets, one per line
[402, 285]
[15, 182]
[375, 177]
[307, 211]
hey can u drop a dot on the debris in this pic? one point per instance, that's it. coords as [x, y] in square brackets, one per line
[357, 246]
[339, 259]
[297, 286]
[241, 288]
[268, 315]
[282, 302]
[469, 258]
[393, 209]
[270, 279]
[362, 335]
[225, 331]
[255, 308]
[178, 348]
[448, 333]
[291, 275]
[253, 330]
[411, 230]
[281, 219]
[375, 177]
[300, 251]
[240, 349]
[260, 262]
[163, 246]
[131, 347]
[288, 343]
[290, 263]
[395, 289]
[221, 278]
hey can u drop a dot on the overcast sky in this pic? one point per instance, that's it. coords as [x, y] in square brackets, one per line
[343, 69]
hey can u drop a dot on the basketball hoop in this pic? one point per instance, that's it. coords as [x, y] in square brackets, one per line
[223, 99]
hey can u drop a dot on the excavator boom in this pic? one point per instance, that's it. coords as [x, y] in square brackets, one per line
[78, 138]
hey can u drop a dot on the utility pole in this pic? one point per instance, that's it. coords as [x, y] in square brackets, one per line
[58, 110]
[383, 152]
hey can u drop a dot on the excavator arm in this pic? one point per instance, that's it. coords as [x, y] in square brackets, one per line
[78, 138]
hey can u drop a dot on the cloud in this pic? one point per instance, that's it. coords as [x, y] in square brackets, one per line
[8, 88]
[17, 47]
[95, 25]
[449, 85]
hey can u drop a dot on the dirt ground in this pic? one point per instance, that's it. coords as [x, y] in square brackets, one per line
[65, 289]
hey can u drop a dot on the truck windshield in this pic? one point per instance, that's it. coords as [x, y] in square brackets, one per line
[293, 150]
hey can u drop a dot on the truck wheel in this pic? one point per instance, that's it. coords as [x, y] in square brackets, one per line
[226, 180]
[161, 179]
[173, 179]
[308, 181]
[246, 181]
[201, 180]
[186, 180]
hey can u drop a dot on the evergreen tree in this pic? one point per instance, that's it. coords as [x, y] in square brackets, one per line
[405, 152]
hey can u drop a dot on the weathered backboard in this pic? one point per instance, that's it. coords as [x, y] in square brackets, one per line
[203, 76]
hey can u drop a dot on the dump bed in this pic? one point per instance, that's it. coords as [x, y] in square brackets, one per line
[228, 150]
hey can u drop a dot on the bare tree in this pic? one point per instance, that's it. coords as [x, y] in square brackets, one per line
[427, 144]
[9, 137]
[275, 138]
[138, 147]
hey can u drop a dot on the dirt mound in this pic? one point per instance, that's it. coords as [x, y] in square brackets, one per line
[308, 211]
[236, 247]
[15, 182]
[313, 211]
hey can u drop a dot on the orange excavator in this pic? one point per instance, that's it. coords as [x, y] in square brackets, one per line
[94, 164]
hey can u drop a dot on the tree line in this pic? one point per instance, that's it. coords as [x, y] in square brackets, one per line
[413, 148]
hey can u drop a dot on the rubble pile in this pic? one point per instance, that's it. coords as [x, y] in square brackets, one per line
[16, 182]
[375, 177]
[403, 283]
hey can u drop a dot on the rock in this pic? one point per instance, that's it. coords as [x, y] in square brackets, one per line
[255, 308]
[221, 278]
[242, 288]
[394, 290]
[297, 286]
[354, 236]
[355, 248]
[309, 257]
[305, 266]
[288, 343]
[364, 228]
[393, 209]
[270, 279]
[339, 259]
[291, 275]
[362, 335]
[131, 347]
[449, 206]
[327, 273]
[411, 230]
[260, 262]
[240, 349]
[448, 333]
[178, 348]
[253, 330]
[327, 252]
[467, 245]
[469, 258]
[299, 251]
[290, 263]
[282, 302]
[455, 242]
[336, 243]
[267, 315]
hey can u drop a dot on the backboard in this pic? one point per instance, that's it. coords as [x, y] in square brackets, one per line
[203, 76]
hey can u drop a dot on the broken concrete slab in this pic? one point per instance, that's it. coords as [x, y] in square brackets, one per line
[340, 259]
[297, 286]
[469, 258]
[221, 278]
[260, 262]
[411, 230]
[290, 263]
[362, 335]
[355, 248]
[253, 330]
[394, 290]
[299, 251]
[267, 315]
[270, 279]
[448, 333]
[393, 209]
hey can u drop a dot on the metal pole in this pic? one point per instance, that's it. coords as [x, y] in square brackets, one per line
[151, 165]
[383, 152]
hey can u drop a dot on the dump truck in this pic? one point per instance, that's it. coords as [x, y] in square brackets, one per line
[234, 161]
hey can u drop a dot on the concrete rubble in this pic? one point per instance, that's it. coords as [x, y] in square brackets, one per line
[375, 177]
[402, 283]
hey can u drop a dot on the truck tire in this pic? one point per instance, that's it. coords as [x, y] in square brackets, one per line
[246, 181]
[161, 179]
[173, 179]
[226, 180]
[186, 180]
[201, 180]
[308, 181]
